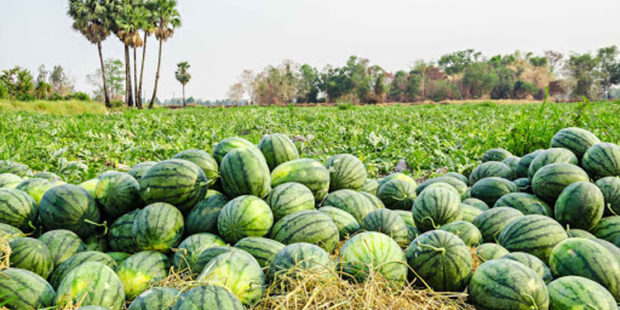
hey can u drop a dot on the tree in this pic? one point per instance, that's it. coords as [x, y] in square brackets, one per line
[399, 86]
[148, 27]
[92, 19]
[19, 83]
[61, 83]
[455, 63]
[555, 59]
[167, 20]
[581, 68]
[478, 79]
[235, 93]
[309, 84]
[248, 81]
[183, 76]
[128, 17]
[115, 79]
[608, 64]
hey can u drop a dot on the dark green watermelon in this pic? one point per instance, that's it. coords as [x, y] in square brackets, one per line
[244, 216]
[577, 140]
[602, 160]
[346, 172]
[119, 257]
[370, 186]
[189, 250]
[23, 289]
[308, 172]
[458, 185]
[610, 187]
[533, 262]
[580, 205]
[354, 203]
[203, 160]
[524, 163]
[435, 207]
[203, 217]
[493, 221]
[139, 170]
[120, 235]
[496, 154]
[277, 149]
[76, 260]
[289, 198]
[608, 229]
[17, 209]
[464, 230]
[373, 253]
[397, 194]
[477, 203]
[208, 297]
[262, 249]
[550, 180]
[345, 222]
[491, 189]
[35, 187]
[533, 234]
[62, 244]
[117, 193]
[158, 227]
[9, 180]
[309, 226]
[32, 255]
[526, 203]
[142, 270]
[229, 144]
[572, 292]
[490, 251]
[91, 283]
[551, 156]
[69, 207]
[456, 175]
[388, 222]
[244, 171]
[490, 169]
[524, 185]
[161, 298]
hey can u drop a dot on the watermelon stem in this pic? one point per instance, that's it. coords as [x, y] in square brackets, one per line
[442, 250]
[533, 301]
[104, 225]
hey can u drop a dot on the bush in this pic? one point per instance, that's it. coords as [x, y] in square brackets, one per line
[117, 103]
[81, 96]
[24, 97]
[4, 91]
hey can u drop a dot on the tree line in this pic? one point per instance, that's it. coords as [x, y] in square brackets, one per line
[18, 83]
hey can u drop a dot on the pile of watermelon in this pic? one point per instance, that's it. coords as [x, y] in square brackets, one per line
[545, 227]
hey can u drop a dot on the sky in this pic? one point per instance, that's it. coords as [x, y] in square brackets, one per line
[221, 38]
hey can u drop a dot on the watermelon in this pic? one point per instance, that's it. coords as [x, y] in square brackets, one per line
[388, 222]
[346, 172]
[577, 140]
[31, 254]
[210, 253]
[458, 185]
[90, 186]
[262, 249]
[142, 270]
[550, 180]
[350, 201]
[203, 160]
[162, 298]
[35, 187]
[229, 144]
[602, 160]
[469, 213]
[497, 154]
[580, 205]
[397, 194]
[477, 203]
[50, 176]
[513, 163]
[533, 262]
[309, 226]
[120, 234]
[96, 242]
[610, 187]
[178, 182]
[579, 233]
[244, 216]
[507, 284]
[493, 221]
[91, 283]
[76, 260]
[464, 230]
[435, 207]
[119, 257]
[308, 172]
[21, 170]
[289, 198]
[117, 193]
[69, 207]
[412, 231]
[203, 217]
[277, 149]
[398, 176]
[17, 209]
[608, 229]
[158, 227]
[298, 257]
[62, 244]
[9, 180]
[139, 170]
[588, 259]
[524, 163]
[73, 170]
[243, 171]
[551, 156]
[524, 185]
[572, 292]
[370, 186]
[441, 260]
[613, 249]
[490, 169]
[8, 232]
[491, 189]
[208, 297]
[526, 203]
[239, 272]
[23, 289]
[490, 251]
[189, 250]
[534, 234]
[456, 175]
[374, 200]
[345, 222]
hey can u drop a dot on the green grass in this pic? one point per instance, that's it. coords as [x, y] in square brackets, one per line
[427, 137]
[71, 107]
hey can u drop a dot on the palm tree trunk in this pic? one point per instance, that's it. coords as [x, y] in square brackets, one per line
[135, 79]
[139, 94]
[183, 95]
[106, 96]
[128, 77]
[156, 77]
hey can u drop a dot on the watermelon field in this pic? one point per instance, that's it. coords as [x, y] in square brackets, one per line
[462, 206]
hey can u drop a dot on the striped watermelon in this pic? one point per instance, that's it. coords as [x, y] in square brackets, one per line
[90, 186]
[346, 172]
[35, 188]
[62, 244]
[308, 172]
[69, 207]
[444, 185]
[602, 160]
[572, 292]
[119, 257]
[533, 234]
[456, 175]
[550, 180]
[189, 250]
[91, 283]
[477, 203]
[469, 213]
[239, 272]
[139, 170]
[244, 171]
[262, 249]
[31, 254]
[533, 262]
[490, 169]
[203, 160]
[203, 217]
[374, 200]
[388, 222]
[175, 181]
[464, 230]
[412, 231]
[435, 207]
[493, 221]
[277, 149]
[209, 254]
[577, 140]
[491, 189]
[229, 144]
[370, 186]
[397, 194]
[9, 180]
[513, 163]
[579, 233]
[208, 297]
[507, 284]
[50, 176]
[580, 205]
[162, 298]
[345, 222]
[8, 232]
[96, 242]
[17, 209]
[524, 185]
[588, 259]
[158, 227]
[524, 163]
[458, 185]
[397, 176]
[117, 193]
[120, 234]
[613, 249]
[289, 198]
[141, 270]
[244, 216]
[608, 229]
[309, 226]
[350, 201]
[526, 203]
[22, 289]
[299, 257]
[490, 251]
[497, 154]
[371, 253]
[78, 259]
[7, 166]
[610, 187]
[551, 156]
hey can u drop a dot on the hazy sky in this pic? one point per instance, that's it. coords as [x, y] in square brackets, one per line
[220, 38]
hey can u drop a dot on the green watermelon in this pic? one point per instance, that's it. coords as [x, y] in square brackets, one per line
[577, 140]
[458, 185]
[262, 249]
[162, 298]
[277, 149]
[477, 203]
[178, 182]
[208, 297]
[491, 189]
[572, 292]
[76, 260]
[50, 176]
[533, 262]
[533, 234]
[464, 230]
[602, 160]
[141, 270]
[526, 203]
[244, 216]
[90, 186]
[490, 251]
[91, 283]
[456, 175]
[210, 253]
[388, 222]
[203, 217]
[441, 260]
[551, 156]
[69, 207]
[490, 169]
[309, 226]
[524, 185]
[203, 160]
[158, 227]
[21, 170]
[243, 171]
[608, 229]
[298, 257]
[23, 289]
[120, 234]
[579, 233]
[397, 176]
[613, 249]
[139, 170]
[35, 187]
[507, 284]
[289, 198]
[493, 221]
[350, 201]
[412, 231]
[189, 250]
[117, 193]
[497, 154]
[308, 172]
[469, 213]
[610, 187]
[397, 194]
[513, 163]
[17, 209]
[524, 163]
[96, 242]
[32, 255]
[374, 200]
[580, 205]
[345, 222]
[119, 257]
[346, 172]
[370, 186]
[550, 180]
[8, 232]
[435, 207]
[62, 244]
[229, 144]
[9, 180]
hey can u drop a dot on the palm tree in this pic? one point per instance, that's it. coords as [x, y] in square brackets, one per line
[183, 76]
[122, 28]
[148, 26]
[167, 19]
[91, 19]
